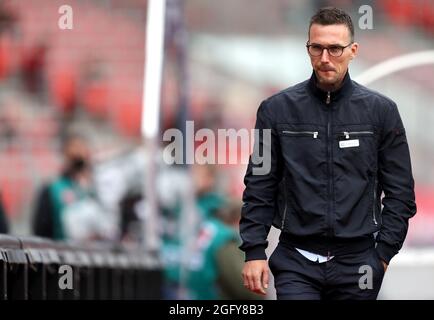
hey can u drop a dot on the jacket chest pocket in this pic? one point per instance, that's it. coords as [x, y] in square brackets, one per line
[356, 145]
[302, 145]
[289, 133]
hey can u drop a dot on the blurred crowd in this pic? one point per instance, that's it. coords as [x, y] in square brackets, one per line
[66, 204]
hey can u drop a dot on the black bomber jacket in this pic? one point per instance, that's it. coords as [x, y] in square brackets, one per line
[333, 156]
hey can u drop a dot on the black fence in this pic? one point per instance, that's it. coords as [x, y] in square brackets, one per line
[34, 268]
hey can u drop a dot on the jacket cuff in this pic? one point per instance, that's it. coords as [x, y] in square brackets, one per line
[385, 251]
[256, 253]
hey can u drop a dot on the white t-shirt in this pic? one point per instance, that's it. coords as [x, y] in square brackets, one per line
[313, 256]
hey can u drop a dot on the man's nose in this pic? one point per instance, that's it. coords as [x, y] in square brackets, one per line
[325, 55]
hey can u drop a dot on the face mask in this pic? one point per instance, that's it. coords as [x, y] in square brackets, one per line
[77, 165]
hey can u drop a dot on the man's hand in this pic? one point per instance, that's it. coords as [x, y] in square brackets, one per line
[255, 276]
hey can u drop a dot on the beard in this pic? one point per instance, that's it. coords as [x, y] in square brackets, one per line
[328, 77]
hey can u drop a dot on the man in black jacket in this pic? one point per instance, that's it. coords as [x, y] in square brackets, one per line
[335, 147]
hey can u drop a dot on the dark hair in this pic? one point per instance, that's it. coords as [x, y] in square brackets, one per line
[328, 16]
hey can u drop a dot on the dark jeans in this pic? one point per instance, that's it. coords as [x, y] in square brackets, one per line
[354, 276]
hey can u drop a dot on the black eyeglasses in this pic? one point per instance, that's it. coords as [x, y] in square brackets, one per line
[315, 50]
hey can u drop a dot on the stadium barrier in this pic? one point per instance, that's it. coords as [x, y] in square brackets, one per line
[33, 268]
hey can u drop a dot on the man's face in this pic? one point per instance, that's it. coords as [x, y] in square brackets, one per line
[331, 70]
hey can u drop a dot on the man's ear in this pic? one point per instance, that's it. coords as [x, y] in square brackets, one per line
[354, 50]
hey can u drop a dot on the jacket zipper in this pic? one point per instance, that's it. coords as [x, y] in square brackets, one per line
[302, 133]
[286, 203]
[330, 157]
[374, 218]
[347, 134]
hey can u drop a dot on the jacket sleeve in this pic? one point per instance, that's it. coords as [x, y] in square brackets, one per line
[259, 195]
[396, 179]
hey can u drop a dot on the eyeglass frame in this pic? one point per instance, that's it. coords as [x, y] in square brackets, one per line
[328, 48]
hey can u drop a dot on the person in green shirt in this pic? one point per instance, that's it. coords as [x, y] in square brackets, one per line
[71, 186]
[216, 259]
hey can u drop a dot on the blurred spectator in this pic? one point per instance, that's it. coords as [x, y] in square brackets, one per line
[4, 228]
[216, 261]
[67, 207]
[208, 199]
[230, 260]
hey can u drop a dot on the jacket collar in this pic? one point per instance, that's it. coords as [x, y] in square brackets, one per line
[344, 90]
